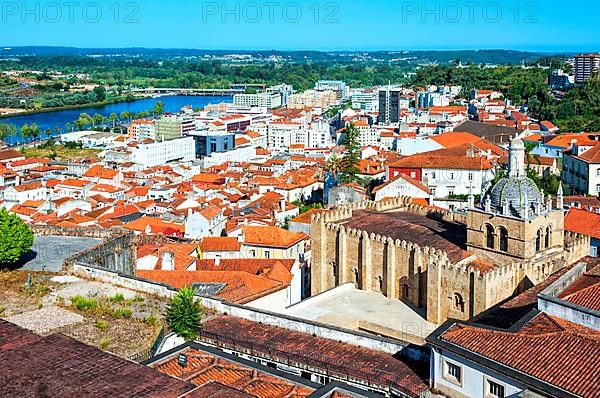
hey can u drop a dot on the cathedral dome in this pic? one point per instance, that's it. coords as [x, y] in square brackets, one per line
[516, 193]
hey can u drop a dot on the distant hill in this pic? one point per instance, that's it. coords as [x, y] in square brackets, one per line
[473, 56]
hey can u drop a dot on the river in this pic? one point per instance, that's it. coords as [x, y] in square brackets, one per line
[60, 118]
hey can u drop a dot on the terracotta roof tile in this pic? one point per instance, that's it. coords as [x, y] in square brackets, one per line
[583, 222]
[337, 357]
[271, 236]
[205, 368]
[572, 350]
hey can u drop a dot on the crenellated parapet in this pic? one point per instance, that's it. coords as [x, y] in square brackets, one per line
[402, 203]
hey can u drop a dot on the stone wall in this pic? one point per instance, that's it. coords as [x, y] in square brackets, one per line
[296, 324]
[116, 254]
[97, 233]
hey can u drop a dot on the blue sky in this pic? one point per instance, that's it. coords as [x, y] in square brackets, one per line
[547, 25]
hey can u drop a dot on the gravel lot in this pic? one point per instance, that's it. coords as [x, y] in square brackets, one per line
[46, 319]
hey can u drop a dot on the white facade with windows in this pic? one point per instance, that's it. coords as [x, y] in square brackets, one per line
[281, 135]
[580, 176]
[368, 102]
[448, 182]
[160, 153]
[261, 100]
[456, 376]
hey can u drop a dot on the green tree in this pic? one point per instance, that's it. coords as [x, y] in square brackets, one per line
[125, 115]
[48, 131]
[16, 238]
[100, 92]
[184, 314]
[159, 108]
[25, 132]
[113, 118]
[98, 118]
[35, 131]
[351, 158]
[7, 130]
[334, 165]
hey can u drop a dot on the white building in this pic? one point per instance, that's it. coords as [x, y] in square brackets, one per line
[262, 100]
[237, 155]
[160, 153]
[22, 193]
[401, 186]
[366, 101]
[209, 221]
[581, 169]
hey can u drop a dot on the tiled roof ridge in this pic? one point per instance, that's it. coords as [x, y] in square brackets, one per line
[214, 360]
[574, 332]
[586, 289]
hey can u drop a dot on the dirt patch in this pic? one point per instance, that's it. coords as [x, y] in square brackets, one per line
[118, 320]
[121, 337]
[17, 297]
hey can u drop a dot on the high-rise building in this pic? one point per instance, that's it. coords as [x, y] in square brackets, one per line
[585, 66]
[389, 104]
[170, 126]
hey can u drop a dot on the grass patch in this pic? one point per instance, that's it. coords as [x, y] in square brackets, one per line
[104, 343]
[84, 303]
[150, 320]
[137, 299]
[2, 309]
[102, 325]
[117, 298]
[60, 152]
[122, 313]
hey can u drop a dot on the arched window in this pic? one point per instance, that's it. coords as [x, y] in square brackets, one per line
[404, 291]
[538, 241]
[503, 239]
[548, 237]
[459, 302]
[489, 236]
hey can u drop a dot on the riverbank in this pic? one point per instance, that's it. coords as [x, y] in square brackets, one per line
[57, 121]
[118, 100]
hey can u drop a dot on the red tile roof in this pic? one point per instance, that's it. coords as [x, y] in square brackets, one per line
[336, 357]
[59, 366]
[453, 158]
[241, 287]
[205, 368]
[220, 244]
[271, 236]
[583, 222]
[550, 349]
[98, 171]
[586, 290]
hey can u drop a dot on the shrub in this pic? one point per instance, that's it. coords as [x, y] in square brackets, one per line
[104, 343]
[84, 303]
[16, 238]
[184, 314]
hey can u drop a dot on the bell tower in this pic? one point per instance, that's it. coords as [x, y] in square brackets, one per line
[515, 221]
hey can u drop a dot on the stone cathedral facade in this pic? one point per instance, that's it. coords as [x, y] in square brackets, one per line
[449, 265]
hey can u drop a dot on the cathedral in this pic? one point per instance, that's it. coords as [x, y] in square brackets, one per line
[448, 264]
